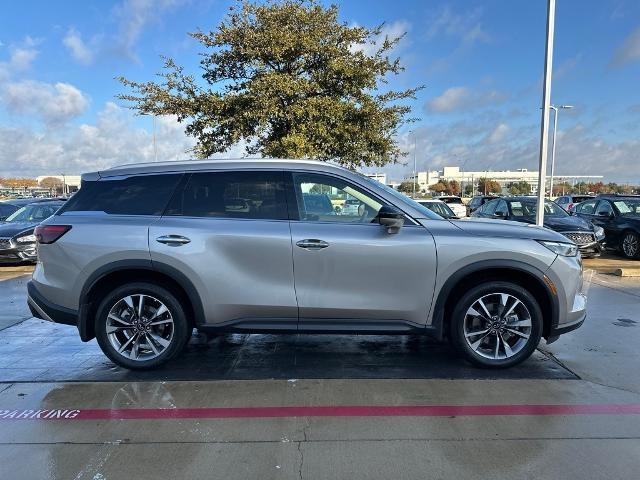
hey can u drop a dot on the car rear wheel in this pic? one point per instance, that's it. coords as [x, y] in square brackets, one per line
[630, 245]
[141, 325]
[496, 325]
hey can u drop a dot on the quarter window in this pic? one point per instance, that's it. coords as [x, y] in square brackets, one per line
[251, 195]
[323, 198]
[137, 195]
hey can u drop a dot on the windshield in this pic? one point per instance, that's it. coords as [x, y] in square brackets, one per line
[628, 206]
[33, 213]
[403, 198]
[528, 208]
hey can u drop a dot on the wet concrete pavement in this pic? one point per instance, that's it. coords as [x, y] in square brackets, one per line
[595, 366]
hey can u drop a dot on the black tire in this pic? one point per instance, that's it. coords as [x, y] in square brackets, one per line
[457, 321]
[632, 249]
[181, 329]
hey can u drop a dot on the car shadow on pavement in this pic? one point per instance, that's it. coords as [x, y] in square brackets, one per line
[39, 351]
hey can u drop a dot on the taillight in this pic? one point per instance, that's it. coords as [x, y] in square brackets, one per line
[50, 233]
[570, 207]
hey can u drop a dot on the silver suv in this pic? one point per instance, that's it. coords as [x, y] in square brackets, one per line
[145, 253]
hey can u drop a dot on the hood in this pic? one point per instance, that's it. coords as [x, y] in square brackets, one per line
[10, 229]
[564, 224]
[487, 227]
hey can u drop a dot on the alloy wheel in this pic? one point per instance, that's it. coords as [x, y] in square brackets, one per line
[630, 245]
[497, 326]
[140, 327]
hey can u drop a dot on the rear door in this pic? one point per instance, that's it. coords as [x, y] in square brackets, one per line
[228, 232]
[351, 273]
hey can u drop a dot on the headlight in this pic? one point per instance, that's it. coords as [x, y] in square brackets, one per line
[599, 232]
[26, 239]
[561, 248]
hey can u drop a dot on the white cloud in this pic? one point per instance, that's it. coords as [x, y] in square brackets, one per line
[134, 16]
[629, 51]
[21, 57]
[112, 140]
[53, 104]
[498, 134]
[466, 25]
[390, 31]
[79, 50]
[457, 99]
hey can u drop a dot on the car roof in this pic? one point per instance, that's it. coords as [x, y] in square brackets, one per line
[21, 202]
[212, 164]
[429, 200]
[615, 195]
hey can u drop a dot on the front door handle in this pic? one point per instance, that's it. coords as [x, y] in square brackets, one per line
[312, 244]
[173, 240]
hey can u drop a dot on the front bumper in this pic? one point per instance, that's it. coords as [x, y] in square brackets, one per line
[25, 252]
[45, 310]
[575, 318]
[592, 249]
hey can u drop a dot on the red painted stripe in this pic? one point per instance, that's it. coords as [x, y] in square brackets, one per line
[337, 411]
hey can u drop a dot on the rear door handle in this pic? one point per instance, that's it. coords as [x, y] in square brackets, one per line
[173, 240]
[312, 244]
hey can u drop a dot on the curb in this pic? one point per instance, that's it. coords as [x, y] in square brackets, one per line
[627, 272]
[22, 268]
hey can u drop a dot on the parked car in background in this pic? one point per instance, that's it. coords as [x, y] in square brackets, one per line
[17, 241]
[477, 201]
[455, 203]
[439, 207]
[143, 254]
[7, 209]
[569, 202]
[589, 237]
[350, 206]
[318, 204]
[619, 216]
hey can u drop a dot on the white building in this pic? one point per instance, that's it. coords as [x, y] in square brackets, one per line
[503, 177]
[380, 177]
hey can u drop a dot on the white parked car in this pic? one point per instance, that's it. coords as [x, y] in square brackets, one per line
[455, 203]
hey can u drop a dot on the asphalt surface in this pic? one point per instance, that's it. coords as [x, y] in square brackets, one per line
[276, 406]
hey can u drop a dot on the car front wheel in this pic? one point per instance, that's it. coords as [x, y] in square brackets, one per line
[631, 245]
[140, 326]
[496, 325]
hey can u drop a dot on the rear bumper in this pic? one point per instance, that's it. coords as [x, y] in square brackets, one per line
[42, 308]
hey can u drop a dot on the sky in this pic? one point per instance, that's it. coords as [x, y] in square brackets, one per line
[481, 63]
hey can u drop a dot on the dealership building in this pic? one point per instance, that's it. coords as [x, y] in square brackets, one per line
[503, 177]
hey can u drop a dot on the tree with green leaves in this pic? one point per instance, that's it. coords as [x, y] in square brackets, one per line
[406, 187]
[287, 79]
[486, 186]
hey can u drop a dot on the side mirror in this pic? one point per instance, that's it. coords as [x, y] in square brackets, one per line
[605, 214]
[500, 214]
[391, 218]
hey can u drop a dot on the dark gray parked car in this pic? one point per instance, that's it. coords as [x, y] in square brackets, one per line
[142, 254]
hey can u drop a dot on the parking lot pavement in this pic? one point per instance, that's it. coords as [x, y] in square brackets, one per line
[363, 407]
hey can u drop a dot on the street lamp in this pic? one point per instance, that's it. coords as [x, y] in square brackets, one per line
[415, 174]
[555, 109]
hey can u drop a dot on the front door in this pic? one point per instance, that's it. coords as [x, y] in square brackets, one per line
[349, 271]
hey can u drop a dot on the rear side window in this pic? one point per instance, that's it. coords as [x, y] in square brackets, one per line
[251, 195]
[138, 195]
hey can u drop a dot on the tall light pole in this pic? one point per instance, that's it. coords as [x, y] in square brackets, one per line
[555, 109]
[415, 173]
[546, 96]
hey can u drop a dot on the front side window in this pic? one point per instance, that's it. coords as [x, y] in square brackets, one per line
[136, 195]
[604, 208]
[323, 198]
[587, 208]
[250, 195]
